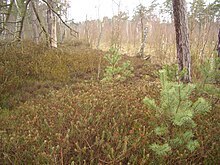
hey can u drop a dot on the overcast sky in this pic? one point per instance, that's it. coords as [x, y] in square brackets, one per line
[80, 8]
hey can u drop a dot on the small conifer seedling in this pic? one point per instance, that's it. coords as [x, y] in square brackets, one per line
[115, 72]
[175, 117]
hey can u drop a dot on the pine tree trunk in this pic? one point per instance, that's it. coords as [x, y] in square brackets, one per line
[182, 38]
[52, 29]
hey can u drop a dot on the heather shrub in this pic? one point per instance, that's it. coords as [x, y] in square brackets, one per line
[52, 65]
[23, 64]
[67, 117]
[111, 125]
[65, 127]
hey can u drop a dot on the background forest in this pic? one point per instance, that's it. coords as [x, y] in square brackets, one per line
[110, 90]
[120, 30]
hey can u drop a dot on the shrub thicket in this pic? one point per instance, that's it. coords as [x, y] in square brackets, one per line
[90, 123]
[27, 65]
[85, 122]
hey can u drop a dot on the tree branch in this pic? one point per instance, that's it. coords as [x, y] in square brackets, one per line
[11, 22]
[22, 19]
[71, 30]
[5, 5]
[8, 15]
[41, 25]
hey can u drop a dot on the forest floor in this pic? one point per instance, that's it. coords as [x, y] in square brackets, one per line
[55, 110]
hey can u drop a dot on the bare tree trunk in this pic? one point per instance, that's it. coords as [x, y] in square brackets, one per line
[135, 34]
[20, 19]
[116, 25]
[40, 23]
[63, 28]
[100, 33]
[182, 38]
[127, 32]
[52, 28]
[218, 47]
[62, 33]
[141, 53]
[34, 25]
[87, 31]
[7, 16]
[100, 27]
[142, 29]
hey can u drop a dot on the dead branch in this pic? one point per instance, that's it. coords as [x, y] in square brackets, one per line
[8, 15]
[5, 5]
[39, 21]
[11, 22]
[59, 16]
[22, 19]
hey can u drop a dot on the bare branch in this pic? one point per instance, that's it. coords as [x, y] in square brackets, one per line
[4, 13]
[22, 19]
[11, 22]
[41, 25]
[16, 4]
[8, 15]
[71, 29]
[5, 5]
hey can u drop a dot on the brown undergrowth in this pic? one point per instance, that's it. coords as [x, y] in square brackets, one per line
[63, 114]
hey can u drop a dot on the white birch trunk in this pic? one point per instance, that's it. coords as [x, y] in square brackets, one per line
[141, 52]
[34, 25]
[52, 28]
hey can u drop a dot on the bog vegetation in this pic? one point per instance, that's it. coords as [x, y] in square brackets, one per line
[110, 91]
[56, 108]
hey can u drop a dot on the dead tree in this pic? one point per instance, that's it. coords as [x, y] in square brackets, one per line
[182, 38]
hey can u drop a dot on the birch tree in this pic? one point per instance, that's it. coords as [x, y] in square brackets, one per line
[51, 21]
[140, 13]
[145, 14]
[34, 23]
[6, 8]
